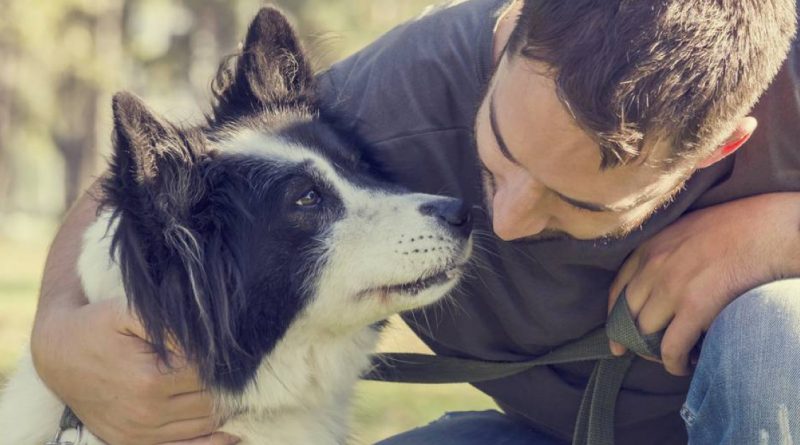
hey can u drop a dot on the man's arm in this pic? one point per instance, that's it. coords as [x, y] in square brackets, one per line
[683, 277]
[60, 271]
[93, 357]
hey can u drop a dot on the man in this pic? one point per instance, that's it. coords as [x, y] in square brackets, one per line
[606, 149]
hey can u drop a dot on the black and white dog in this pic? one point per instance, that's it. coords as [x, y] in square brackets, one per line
[259, 244]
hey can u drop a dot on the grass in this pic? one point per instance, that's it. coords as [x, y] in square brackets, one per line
[381, 409]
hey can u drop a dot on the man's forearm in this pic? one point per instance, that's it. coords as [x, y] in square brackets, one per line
[793, 255]
[61, 287]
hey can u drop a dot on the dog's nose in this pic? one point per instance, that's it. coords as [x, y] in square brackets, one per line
[453, 213]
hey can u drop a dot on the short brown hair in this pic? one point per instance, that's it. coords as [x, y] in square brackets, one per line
[684, 70]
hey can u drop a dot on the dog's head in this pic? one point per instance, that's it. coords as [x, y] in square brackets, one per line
[230, 233]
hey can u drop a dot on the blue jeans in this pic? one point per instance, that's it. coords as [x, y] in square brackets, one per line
[745, 389]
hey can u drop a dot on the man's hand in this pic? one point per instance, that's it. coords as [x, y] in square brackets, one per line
[683, 277]
[94, 358]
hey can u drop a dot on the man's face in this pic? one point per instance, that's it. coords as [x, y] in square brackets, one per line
[542, 174]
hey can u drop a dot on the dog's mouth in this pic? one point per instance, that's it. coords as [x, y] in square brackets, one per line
[413, 288]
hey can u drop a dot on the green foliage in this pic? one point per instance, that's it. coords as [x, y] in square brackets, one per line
[62, 60]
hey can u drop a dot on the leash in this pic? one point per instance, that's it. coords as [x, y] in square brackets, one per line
[595, 422]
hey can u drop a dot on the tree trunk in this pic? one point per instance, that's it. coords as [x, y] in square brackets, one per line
[75, 135]
[79, 130]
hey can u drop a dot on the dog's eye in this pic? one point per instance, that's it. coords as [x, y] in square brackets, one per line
[310, 199]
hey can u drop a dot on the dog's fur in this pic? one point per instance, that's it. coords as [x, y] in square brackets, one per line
[261, 246]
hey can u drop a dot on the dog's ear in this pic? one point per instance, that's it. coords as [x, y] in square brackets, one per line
[272, 70]
[153, 161]
[155, 186]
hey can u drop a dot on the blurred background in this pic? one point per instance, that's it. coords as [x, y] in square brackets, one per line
[60, 62]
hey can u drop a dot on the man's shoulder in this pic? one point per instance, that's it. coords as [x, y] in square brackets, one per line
[423, 75]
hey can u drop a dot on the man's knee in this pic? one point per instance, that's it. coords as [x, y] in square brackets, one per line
[755, 341]
[745, 385]
[768, 313]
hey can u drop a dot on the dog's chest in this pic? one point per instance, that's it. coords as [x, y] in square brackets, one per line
[304, 386]
[302, 390]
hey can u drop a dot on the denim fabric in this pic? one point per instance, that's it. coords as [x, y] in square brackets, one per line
[745, 389]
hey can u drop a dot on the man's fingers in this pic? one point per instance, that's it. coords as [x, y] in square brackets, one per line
[223, 439]
[637, 295]
[185, 381]
[186, 430]
[178, 377]
[650, 359]
[617, 349]
[622, 280]
[681, 336]
[656, 314]
[191, 405]
[626, 272]
[214, 439]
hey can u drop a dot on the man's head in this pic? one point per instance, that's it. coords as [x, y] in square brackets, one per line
[599, 111]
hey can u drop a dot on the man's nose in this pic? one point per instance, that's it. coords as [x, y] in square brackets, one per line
[519, 218]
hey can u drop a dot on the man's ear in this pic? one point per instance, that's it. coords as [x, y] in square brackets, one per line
[271, 71]
[740, 135]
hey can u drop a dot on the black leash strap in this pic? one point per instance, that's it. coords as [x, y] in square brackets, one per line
[424, 368]
[595, 423]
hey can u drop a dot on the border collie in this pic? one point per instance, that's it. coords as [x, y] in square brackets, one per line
[262, 245]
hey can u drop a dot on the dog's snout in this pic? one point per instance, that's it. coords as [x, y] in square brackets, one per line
[453, 213]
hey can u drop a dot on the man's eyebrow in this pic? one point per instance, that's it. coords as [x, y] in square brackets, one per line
[590, 206]
[507, 154]
[496, 131]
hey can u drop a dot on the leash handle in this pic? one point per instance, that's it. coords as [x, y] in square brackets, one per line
[621, 327]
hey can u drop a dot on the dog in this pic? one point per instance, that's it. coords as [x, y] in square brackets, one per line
[261, 243]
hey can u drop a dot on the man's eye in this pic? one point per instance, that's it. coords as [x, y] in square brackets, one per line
[580, 209]
[310, 199]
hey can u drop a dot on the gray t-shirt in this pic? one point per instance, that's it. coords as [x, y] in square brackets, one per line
[412, 96]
